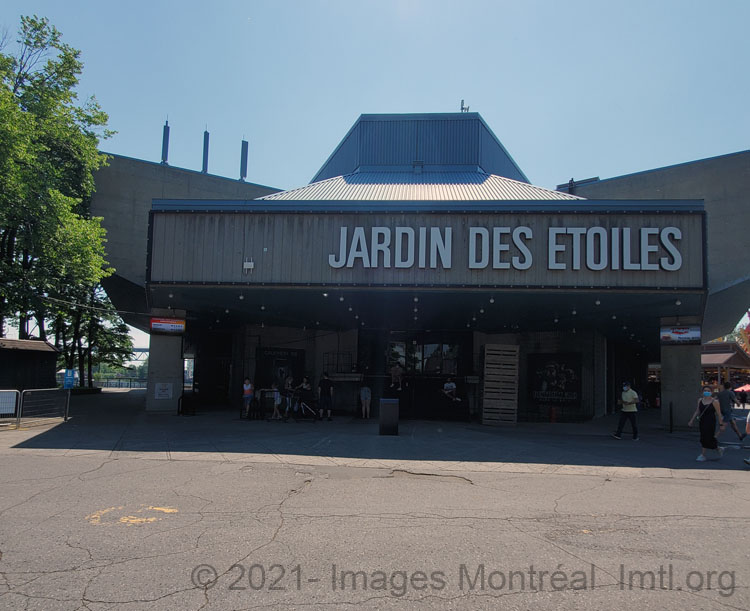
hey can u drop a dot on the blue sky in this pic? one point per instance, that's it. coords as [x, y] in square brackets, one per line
[572, 89]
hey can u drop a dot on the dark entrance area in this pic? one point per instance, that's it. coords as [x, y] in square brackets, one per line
[414, 366]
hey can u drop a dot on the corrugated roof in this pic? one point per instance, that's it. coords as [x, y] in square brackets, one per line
[27, 344]
[428, 186]
[453, 142]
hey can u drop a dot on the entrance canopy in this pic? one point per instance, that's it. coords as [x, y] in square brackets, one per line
[617, 267]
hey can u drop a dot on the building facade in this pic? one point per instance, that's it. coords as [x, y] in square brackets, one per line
[420, 246]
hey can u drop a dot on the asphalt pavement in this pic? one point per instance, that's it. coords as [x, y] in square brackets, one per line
[122, 509]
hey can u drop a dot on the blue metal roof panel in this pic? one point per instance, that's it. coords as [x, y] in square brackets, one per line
[411, 186]
[579, 206]
[445, 139]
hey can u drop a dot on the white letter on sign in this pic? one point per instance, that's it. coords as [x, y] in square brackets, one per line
[381, 245]
[342, 252]
[400, 260]
[475, 233]
[358, 248]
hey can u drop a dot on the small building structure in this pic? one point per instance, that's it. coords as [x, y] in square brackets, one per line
[27, 363]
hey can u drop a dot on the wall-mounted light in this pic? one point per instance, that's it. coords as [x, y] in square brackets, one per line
[242, 297]
[574, 312]
[325, 294]
[171, 295]
[492, 300]
[678, 302]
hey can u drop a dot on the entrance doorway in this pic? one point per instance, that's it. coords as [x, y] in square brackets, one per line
[419, 363]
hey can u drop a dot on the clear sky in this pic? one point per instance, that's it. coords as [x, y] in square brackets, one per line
[578, 88]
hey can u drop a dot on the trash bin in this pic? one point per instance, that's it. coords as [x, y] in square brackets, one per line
[389, 416]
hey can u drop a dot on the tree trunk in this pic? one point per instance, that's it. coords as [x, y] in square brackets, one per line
[81, 363]
[40, 323]
[23, 326]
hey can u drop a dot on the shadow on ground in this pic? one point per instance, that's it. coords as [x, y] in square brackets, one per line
[115, 421]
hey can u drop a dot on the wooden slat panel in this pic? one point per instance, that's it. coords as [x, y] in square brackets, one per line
[500, 385]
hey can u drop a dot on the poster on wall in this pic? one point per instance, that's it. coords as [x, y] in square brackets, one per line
[555, 385]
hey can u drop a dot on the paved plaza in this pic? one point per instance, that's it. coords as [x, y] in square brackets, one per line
[122, 509]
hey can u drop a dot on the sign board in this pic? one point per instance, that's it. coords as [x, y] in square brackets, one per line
[690, 334]
[174, 326]
[163, 390]
[493, 249]
[70, 378]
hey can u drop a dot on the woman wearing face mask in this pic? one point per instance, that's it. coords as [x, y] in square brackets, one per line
[708, 413]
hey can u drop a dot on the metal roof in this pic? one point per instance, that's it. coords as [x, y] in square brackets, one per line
[412, 186]
[34, 345]
[440, 141]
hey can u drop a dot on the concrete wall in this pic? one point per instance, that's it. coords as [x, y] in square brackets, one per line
[680, 383]
[124, 190]
[724, 185]
[165, 368]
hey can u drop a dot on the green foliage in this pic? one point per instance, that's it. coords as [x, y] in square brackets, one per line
[49, 244]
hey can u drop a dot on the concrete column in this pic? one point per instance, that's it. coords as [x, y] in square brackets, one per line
[680, 383]
[165, 369]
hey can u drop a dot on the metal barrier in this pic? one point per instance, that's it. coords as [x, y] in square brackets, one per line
[40, 405]
[9, 402]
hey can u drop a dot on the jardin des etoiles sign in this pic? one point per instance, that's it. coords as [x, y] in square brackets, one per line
[594, 248]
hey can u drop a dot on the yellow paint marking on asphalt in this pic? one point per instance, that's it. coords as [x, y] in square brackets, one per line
[96, 517]
[136, 520]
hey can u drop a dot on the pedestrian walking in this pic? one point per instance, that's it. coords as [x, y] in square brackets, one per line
[629, 402]
[727, 400]
[708, 413]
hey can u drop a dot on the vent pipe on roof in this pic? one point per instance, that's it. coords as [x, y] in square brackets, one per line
[165, 143]
[243, 161]
[205, 152]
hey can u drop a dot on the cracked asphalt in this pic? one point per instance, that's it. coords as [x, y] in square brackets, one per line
[120, 509]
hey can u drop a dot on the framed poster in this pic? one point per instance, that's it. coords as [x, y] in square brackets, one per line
[555, 385]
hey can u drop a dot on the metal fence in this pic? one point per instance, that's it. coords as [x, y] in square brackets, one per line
[9, 402]
[33, 407]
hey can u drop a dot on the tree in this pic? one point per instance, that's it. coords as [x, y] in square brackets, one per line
[49, 243]
[91, 334]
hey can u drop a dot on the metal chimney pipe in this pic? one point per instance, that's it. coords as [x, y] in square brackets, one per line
[243, 161]
[165, 143]
[205, 152]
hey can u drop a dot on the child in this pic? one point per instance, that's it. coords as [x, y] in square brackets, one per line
[248, 394]
[276, 402]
